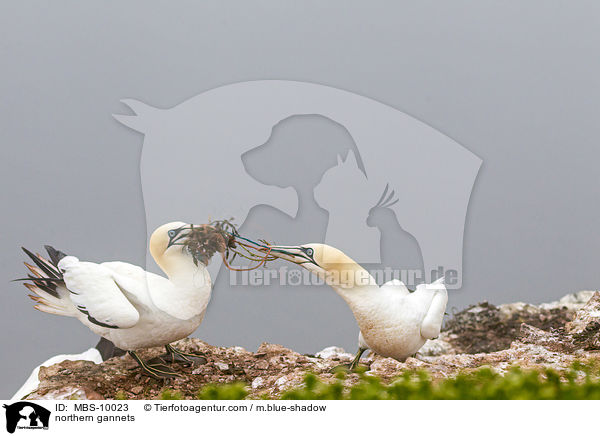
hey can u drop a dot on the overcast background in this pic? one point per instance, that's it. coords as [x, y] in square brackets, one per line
[517, 84]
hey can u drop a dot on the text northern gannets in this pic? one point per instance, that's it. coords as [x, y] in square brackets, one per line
[125, 304]
[393, 321]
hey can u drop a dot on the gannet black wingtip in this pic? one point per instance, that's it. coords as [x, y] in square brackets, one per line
[46, 276]
[55, 255]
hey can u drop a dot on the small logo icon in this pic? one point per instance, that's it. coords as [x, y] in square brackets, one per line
[26, 415]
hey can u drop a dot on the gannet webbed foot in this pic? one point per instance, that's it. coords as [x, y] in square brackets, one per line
[158, 371]
[173, 355]
[353, 365]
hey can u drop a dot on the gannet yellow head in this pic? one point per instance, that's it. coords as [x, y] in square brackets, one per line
[165, 244]
[168, 235]
[329, 263]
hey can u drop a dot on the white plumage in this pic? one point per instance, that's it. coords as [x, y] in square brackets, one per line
[393, 321]
[147, 310]
[398, 322]
[122, 302]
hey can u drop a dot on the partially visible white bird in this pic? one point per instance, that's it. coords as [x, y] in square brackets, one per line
[102, 351]
[32, 383]
[125, 304]
[393, 321]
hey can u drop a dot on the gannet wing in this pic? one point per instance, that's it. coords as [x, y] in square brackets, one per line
[396, 286]
[432, 322]
[96, 294]
[147, 289]
[126, 269]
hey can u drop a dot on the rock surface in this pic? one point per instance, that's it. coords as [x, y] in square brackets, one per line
[483, 328]
[549, 335]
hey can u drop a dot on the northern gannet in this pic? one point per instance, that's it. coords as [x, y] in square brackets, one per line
[125, 304]
[393, 321]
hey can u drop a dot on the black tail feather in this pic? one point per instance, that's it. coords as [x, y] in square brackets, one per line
[50, 272]
[37, 279]
[49, 268]
[55, 255]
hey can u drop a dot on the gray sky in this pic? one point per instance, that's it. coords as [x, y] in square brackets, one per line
[515, 84]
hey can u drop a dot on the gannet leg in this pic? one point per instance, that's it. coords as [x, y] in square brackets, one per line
[154, 370]
[356, 359]
[183, 357]
[173, 355]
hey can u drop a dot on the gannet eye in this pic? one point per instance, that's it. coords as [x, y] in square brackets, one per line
[171, 233]
[309, 251]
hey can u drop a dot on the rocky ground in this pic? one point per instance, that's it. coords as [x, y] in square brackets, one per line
[549, 335]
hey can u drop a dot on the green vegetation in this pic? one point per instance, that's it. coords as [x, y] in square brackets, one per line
[580, 381]
[235, 391]
[483, 384]
[171, 394]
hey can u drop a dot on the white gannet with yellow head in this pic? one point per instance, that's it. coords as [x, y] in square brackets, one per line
[125, 304]
[393, 321]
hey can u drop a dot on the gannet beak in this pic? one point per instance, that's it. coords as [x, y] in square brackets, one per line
[291, 253]
[179, 234]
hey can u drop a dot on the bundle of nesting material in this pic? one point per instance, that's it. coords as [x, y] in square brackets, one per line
[205, 240]
[222, 237]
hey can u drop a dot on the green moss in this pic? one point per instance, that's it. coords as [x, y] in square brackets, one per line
[235, 391]
[580, 381]
[315, 389]
[170, 394]
[120, 395]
